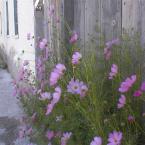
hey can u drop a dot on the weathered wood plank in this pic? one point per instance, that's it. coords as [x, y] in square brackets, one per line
[39, 31]
[46, 20]
[142, 22]
[92, 24]
[57, 27]
[69, 12]
[131, 16]
[52, 26]
[79, 21]
[111, 18]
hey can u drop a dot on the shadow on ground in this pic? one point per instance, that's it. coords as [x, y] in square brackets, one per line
[8, 130]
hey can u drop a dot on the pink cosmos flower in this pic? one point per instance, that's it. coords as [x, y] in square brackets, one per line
[114, 71]
[56, 74]
[56, 97]
[137, 93]
[115, 138]
[83, 89]
[76, 58]
[131, 118]
[74, 86]
[49, 108]
[116, 41]
[60, 68]
[107, 53]
[113, 42]
[97, 141]
[74, 38]
[50, 134]
[77, 87]
[45, 96]
[107, 49]
[122, 102]
[66, 136]
[143, 86]
[127, 84]
[54, 77]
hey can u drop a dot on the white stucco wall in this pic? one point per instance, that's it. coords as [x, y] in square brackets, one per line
[12, 46]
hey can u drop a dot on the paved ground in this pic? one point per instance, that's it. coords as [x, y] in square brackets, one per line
[10, 112]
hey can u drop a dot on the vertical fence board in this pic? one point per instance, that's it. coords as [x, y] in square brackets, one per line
[111, 18]
[69, 13]
[46, 19]
[52, 26]
[47, 22]
[79, 21]
[142, 31]
[92, 24]
[39, 33]
[142, 19]
[68, 21]
[131, 16]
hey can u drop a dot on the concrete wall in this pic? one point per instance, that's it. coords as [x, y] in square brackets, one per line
[12, 46]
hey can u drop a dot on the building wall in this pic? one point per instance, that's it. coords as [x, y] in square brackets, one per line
[12, 46]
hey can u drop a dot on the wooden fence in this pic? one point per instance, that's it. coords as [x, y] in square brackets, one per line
[90, 18]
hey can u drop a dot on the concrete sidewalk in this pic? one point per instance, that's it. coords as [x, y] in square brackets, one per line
[10, 112]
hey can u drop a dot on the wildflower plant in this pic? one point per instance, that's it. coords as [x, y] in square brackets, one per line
[88, 99]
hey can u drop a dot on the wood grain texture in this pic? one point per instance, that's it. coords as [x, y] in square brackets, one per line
[93, 18]
[142, 22]
[111, 19]
[79, 21]
[131, 16]
[92, 24]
